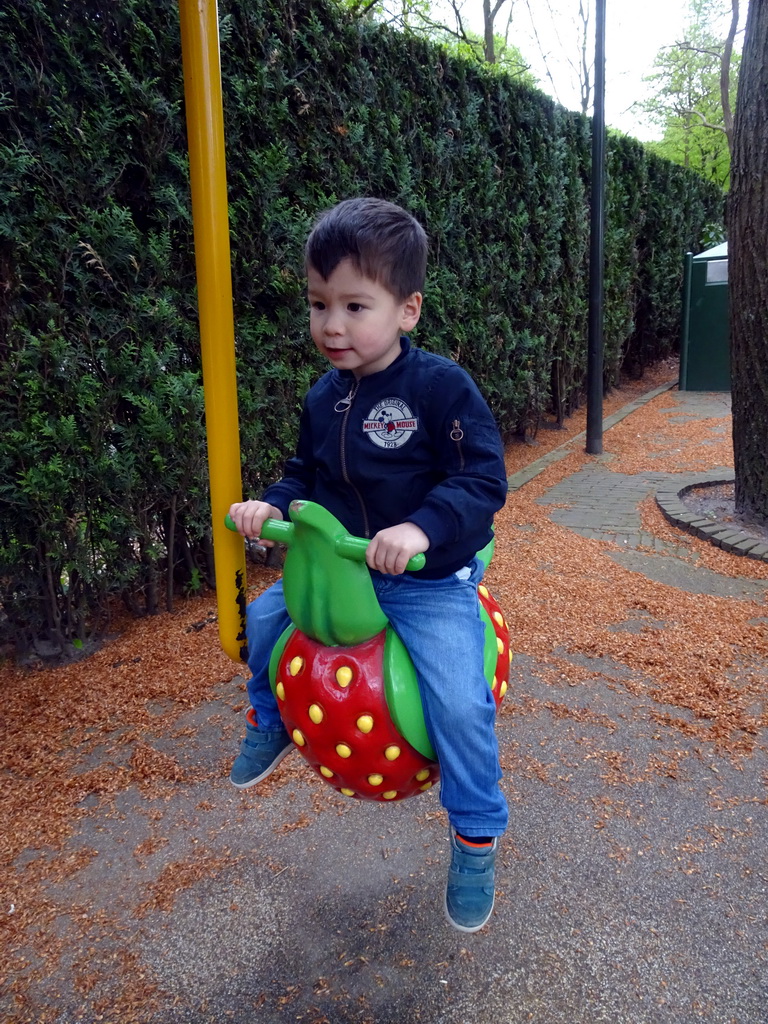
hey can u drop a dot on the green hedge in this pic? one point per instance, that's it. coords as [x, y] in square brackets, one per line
[103, 485]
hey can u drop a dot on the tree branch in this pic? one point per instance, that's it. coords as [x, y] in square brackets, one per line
[696, 49]
[704, 122]
[460, 32]
[360, 11]
[541, 49]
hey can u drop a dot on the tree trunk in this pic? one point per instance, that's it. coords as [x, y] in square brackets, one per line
[725, 74]
[488, 43]
[585, 65]
[748, 269]
[170, 542]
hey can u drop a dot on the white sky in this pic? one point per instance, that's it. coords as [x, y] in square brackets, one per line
[635, 31]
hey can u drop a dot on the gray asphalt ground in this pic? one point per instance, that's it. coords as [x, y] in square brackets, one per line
[624, 895]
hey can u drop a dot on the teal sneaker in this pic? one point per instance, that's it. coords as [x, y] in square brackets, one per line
[470, 893]
[260, 753]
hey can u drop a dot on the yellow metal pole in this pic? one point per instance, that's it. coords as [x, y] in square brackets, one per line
[207, 171]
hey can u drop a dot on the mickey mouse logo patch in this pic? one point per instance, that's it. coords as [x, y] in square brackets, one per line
[390, 423]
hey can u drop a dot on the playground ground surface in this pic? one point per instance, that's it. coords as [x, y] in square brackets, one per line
[138, 885]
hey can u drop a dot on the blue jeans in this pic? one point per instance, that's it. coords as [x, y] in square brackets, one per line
[440, 626]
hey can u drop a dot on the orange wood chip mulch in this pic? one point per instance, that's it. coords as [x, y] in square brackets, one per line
[74, 736]
[562, 593]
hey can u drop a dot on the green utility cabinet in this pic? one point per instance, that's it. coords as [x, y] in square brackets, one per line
[705, 350]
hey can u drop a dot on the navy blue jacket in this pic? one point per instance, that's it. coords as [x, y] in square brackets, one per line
[415, 442]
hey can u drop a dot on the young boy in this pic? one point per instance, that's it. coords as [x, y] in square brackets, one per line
[401, 447]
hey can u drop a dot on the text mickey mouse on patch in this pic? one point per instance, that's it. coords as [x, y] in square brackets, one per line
[390, 423]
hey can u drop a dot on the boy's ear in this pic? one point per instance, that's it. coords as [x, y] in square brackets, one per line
[411, 311]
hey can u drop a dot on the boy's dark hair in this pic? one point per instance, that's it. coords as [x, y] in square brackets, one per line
[384, 243]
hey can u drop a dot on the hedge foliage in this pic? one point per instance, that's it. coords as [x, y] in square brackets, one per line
[103, 483]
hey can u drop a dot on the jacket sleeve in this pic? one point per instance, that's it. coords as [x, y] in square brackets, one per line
[470, 460]
[299, 472]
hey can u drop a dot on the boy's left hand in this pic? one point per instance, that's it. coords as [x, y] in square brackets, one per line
[390, 549]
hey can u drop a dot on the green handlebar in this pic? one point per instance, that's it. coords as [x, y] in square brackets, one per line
[352, 548]
[272, 529]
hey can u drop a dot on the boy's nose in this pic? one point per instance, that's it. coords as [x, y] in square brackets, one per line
[333, 323]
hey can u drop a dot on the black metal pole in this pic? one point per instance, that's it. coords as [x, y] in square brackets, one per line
[596, 246]
[686, 321]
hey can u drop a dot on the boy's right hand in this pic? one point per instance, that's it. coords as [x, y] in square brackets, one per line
[249, 517]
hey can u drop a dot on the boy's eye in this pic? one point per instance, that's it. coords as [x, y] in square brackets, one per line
[354, 307]
[316, 304]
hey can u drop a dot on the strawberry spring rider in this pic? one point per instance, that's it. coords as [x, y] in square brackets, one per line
[345, 684]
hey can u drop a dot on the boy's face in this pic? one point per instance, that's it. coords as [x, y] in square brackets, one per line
[355, 322]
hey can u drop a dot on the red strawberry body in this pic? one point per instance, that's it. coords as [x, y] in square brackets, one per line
[500, 680]
[333, 703]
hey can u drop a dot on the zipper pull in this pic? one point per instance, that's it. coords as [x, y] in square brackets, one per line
[457, 433]
[344, 404]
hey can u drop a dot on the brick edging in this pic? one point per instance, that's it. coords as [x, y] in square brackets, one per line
[724, 535]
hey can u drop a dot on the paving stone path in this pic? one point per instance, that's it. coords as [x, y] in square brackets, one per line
[600, 504]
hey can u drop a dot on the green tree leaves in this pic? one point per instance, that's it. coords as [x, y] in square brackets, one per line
[688, 94]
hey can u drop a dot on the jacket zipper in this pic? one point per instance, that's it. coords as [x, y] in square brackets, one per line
[457, 435]
[344, 406]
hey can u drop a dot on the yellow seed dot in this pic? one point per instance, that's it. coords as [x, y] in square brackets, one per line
[375, 780]
[510, 657]
[423, 774]
[365, 723]
[499, 645]
[326, 772]
[297, 664]
[503, 689]
[499, 618]
[494, 684]
[348, 792]
[343, 750]
[390, 794]
[280, 690]
[344, 675]
[298, 737]
[316, 713]
[425, 787]
[483, 590]
[392, 753]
